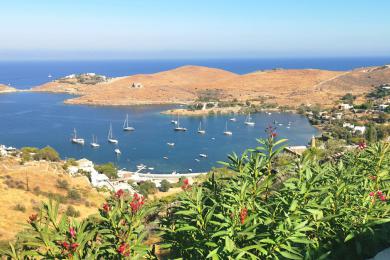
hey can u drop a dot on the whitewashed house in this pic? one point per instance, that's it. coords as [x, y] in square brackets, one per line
[383, 107]
[359, 129]
[348, 125]
[345, 106]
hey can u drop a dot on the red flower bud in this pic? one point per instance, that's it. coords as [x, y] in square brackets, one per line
[372, 194]
[74, 246]
[382, 198]
[243, 215]
[65, 245]
[106, 207]
[33, 218]
[123, 249]
[379, 192]
[186, 184]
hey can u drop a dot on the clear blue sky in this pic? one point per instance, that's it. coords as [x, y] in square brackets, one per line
[193, 28]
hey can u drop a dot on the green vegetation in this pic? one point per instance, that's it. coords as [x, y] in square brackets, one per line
[47, 153]
[348, 98]
[262, 205]
[108, 169]
[72, 212]
[379, 92]
[147, 187]
[165, 186]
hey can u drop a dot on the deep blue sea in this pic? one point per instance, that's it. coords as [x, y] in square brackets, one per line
[37, 119]
[26, 74]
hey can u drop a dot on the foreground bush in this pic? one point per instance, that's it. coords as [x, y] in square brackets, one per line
[116, 232]
[329, 211]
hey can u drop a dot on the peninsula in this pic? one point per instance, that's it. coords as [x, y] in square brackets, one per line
[6, 89]
[190, 84]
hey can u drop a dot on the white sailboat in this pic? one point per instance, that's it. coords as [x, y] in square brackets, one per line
[178, 127]
[203, 155]
[248, 120]
[171, 144]
[200, 130]
[126, 126]
[117, 151]
[233, 119]
[75, 139]
[110, 137]
[94, 143]
[227, 132]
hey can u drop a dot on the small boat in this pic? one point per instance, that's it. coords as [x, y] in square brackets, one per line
[226, 131]
[110, 137]
[126, 126]
[197, 160]
[165, 157]
[203, 155]
[94, 143]
[248, 120]
[75, 139]
[200, 130]
[280, 124]
[171, 144]
[269, 113]
[117, 151]
[190, 170]
[288, 127]
[141, 166]
[178, 128]
[233, 119]
[49, 76]
[151, 168]
[212, 138]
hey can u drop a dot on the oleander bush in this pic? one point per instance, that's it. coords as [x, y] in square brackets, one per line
[117, 232]
[268, 206]
[333, 210]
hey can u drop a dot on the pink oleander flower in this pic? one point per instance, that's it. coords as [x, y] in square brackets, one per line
[186, 184]
[106, 207]
[72, 232]
[362, 146]
[119, 193]
[372, 194]
[382, 198]
[379, 193]
[136, 203]
[123, 249]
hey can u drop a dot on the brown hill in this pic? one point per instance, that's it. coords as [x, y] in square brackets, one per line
[6, 89]
[188, 83]
[24, 187]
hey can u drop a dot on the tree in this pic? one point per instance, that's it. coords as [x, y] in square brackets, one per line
[147, 187]
[47, 153]
[348, 98]
[371, 133]
[108, 169]
[165, 186]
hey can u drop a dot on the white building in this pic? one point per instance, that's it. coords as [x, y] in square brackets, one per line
[348, 125]
[360, 129]
[383, 107]
[345, 106]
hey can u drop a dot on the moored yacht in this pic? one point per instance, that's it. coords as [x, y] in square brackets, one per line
[126, 126]
[94, 142]
[200, 130]
[117, 151]
[227, 132]
[75, 139]
[248, 120]
[110, 137]
[178, 128]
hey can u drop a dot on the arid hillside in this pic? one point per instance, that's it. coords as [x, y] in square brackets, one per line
[189, 83]
[6, 89]
[24, 187]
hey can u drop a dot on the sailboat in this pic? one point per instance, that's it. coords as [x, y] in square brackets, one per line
[248, 120]
[200, 130]
[110, 137]
[117, 151]
[178, 127]
[233, 119]
[126, 126]
[94, 143]
[226, 131]
[75, 139]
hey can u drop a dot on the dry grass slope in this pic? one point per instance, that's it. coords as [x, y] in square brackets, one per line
[44, 175]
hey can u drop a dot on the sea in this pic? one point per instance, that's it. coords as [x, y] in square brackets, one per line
[42, 119]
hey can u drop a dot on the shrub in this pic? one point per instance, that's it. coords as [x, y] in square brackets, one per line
[331, 210]
[20, 207]
[37, 190]
[108, 169]
[72, 212]
[47, 153]
[147, 187]
[74, 194]
[62, 184]
[165, 186]
[69, 162]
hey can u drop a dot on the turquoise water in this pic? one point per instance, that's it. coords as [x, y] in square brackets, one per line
[35, 119]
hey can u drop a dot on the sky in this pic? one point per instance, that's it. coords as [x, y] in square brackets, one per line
[117, 29]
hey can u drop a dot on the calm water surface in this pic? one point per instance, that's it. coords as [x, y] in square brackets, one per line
[34, 119]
